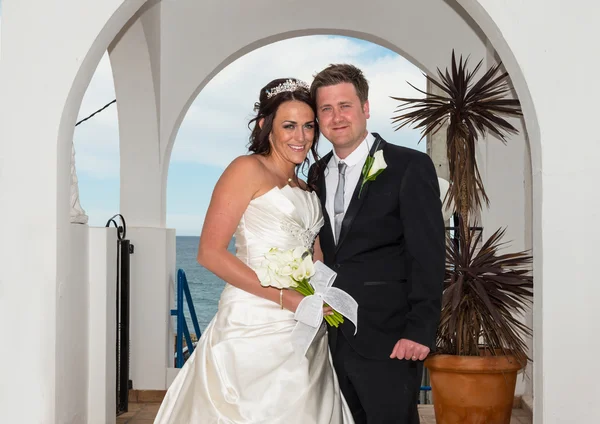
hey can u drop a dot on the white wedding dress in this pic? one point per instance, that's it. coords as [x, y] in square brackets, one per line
[244, 369]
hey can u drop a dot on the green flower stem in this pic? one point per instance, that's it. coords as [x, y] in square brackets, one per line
[361, 188]
[306, 289]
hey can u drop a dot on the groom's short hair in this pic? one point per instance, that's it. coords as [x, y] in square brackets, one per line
[340, 73]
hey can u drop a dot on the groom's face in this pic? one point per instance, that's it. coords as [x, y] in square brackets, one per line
[342, 117]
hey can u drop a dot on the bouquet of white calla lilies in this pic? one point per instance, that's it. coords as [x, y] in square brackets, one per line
[284, 268]
[305, 270]
[292, 269]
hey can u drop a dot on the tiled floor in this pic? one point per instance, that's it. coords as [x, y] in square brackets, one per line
[144, 413]
[139, 413]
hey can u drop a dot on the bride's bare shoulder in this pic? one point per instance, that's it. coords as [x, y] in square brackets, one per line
[246, 167]
[244, 173]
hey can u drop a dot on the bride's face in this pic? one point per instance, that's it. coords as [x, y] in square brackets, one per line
[293, 131]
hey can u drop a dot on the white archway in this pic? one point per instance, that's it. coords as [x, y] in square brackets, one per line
[187, 27]
[166, 159]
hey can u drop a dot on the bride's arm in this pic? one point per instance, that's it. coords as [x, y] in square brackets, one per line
[240, 182]
[318, 253]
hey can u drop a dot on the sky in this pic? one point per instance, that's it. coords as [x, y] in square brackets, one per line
[215, 131]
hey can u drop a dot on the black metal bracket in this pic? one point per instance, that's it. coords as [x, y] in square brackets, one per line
[121, 229]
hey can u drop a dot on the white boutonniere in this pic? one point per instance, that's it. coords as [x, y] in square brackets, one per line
[374, 165]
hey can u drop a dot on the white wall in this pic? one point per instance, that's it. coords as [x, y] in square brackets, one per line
[152, 273]
[102, 330]
[72, 327]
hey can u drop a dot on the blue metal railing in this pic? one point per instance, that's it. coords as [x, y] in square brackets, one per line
[424, 389]
[183, 289]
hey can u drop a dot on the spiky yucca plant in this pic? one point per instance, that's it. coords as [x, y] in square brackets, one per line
[482, 289]
[471, 108]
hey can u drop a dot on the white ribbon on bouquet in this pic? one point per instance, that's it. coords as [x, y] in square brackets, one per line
[309, 313]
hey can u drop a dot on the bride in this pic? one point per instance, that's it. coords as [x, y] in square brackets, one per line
[244, 369]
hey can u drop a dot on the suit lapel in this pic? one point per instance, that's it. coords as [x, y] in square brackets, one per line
[322, 187]
[355, 202]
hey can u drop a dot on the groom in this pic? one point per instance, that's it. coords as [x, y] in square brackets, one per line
[386, 244]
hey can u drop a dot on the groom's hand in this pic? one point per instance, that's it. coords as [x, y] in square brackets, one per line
[407, 349]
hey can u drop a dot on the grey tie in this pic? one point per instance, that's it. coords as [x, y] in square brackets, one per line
[338, 202]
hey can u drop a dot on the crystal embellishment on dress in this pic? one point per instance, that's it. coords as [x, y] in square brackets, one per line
[304, 236]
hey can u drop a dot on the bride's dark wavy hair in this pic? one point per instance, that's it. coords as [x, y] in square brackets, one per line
[267, 108]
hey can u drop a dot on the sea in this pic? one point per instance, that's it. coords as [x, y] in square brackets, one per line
[205, 287]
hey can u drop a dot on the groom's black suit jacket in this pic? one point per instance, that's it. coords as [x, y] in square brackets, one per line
[391, 252]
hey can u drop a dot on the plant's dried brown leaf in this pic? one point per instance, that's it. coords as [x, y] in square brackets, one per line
[483, 293]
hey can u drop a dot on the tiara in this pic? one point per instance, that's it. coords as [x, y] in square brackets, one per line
[289, 85]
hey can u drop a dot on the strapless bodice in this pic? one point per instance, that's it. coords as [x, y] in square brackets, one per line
[284, 218]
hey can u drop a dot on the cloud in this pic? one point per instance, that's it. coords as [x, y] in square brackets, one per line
[223, 108]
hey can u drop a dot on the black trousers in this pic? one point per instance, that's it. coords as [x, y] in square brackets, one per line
[378, 391]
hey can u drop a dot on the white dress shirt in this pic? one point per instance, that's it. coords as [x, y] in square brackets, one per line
[355, 162]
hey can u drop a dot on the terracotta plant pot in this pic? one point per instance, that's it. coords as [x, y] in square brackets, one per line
[473, 389]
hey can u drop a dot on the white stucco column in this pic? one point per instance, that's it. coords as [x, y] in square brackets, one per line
[134, 58]
[153, 277]
[44, 72]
